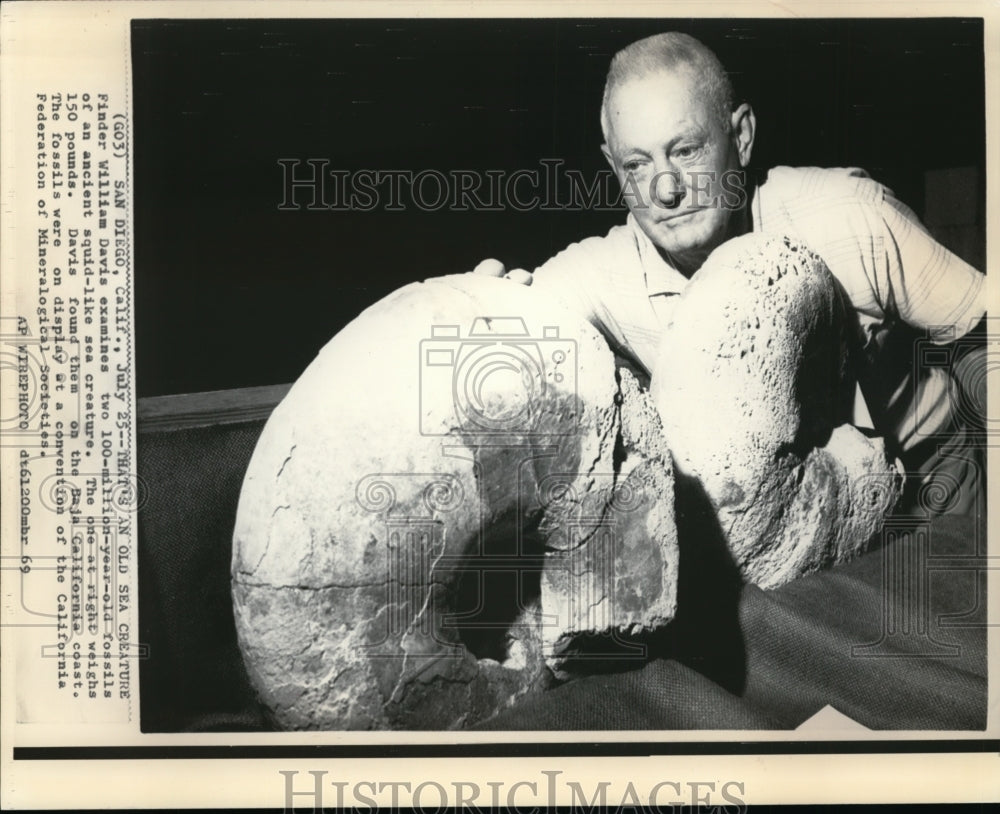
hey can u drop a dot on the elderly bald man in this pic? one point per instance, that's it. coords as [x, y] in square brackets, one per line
[679, 146]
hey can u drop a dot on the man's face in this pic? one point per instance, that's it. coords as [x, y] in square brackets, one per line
[678, 166]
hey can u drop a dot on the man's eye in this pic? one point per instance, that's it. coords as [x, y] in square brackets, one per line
[686, 151]
[631, 166]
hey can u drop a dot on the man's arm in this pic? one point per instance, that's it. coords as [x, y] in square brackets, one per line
[937, 291]
[930, 287]
[577, 278]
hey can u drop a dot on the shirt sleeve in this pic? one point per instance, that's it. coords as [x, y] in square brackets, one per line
[889, 264]
[930, 288]
[567, 277]
[585, 278]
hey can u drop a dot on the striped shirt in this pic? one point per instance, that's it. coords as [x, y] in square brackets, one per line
[893, 271]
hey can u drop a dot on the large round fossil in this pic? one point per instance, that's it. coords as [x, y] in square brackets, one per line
[456, 487]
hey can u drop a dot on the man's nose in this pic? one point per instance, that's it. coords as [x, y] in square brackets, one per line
[668, 189]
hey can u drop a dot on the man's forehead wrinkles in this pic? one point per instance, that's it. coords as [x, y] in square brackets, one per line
[650, 113]
[659, 137]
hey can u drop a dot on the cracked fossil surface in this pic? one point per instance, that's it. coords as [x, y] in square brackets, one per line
[457, 486]
[462, 499]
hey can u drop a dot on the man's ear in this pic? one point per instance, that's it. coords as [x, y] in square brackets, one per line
[744, 124]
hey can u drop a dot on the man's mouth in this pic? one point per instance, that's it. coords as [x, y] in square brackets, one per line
[678, 216]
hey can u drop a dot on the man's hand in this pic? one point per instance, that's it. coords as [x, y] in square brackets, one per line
[494, 268]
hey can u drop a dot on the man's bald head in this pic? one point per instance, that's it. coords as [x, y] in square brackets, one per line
[671, 51]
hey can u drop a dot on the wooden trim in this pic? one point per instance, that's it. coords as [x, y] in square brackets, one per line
[208, 409]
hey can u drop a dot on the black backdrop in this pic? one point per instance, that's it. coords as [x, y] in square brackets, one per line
[233, 292]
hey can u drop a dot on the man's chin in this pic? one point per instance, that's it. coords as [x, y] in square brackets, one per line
[683, 235]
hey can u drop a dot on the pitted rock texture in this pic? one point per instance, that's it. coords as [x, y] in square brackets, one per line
[449, 444]
[751, 389]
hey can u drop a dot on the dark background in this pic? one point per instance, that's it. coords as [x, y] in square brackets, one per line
[231, 292]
